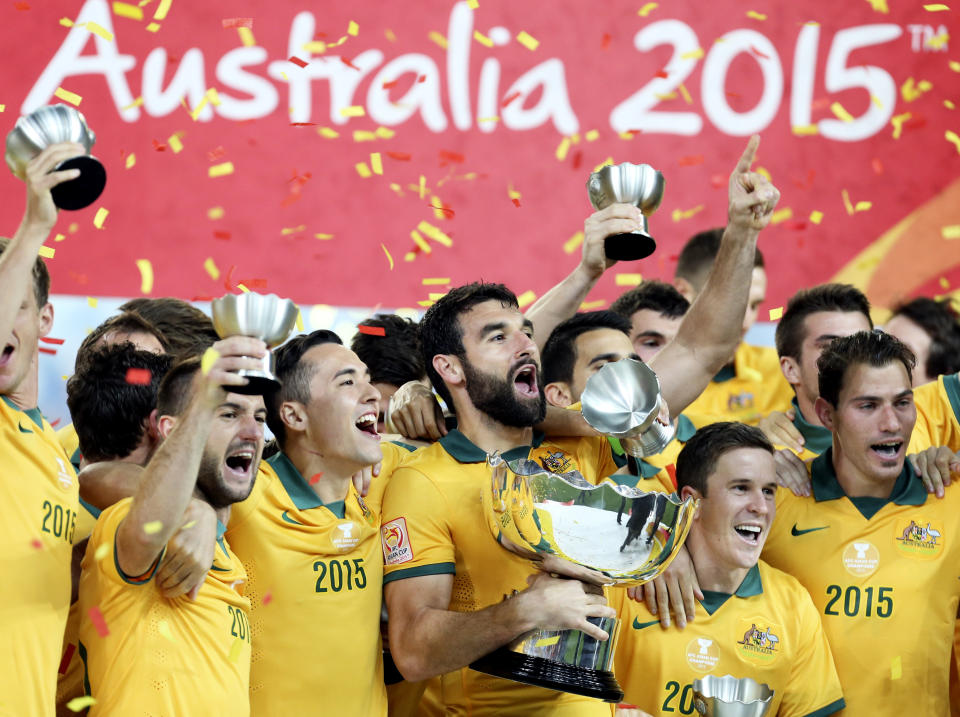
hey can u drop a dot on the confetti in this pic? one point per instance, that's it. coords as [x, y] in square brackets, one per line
[527, 40]
[692, 54]
[102, 551]
[146, 275]
[327, 132]
[99, 31]
[315, 478]
[591, 305]
[46, 252]
[896, 668]
[571, 244]
[776, 314]
[438, 39]
[67, 96]
[153, 27]
[495, 118]
[321, 235]
[59, 237]
[154, 526]
[163, 627]
[954, 65]
[363, 170]
[352, 111]
[563, 148]
[952, 137]
[364, 135]
[420, 242]
[897, 122]
[950, 232]
[803, 130]
[482, 39]
[215, 213]
[132, 12]
[246, 36]
[67, 656]
[235, 649]
[647, 9]
[423, 185]
[131, 160]
[879, 5]
[679, 214]
[840, 112]
[162, 10]
[816, 216]
[910, 91]
[389, 258]
[231, 22]
[175, 144]
[686, 95]
[526, 298]
[92, 302]
[433, 233]
[628, 279]
[37, 544]
[372, 330]
[384, 132]
[781, 215]
[937, 41]
[935, 7]
[756, 15]
[80, 703]
[266, 599]
[220, 170]
[287, 231]
[96, 617]
[100, 217]
[243, 288]
[435, 281]
[139, 377]
[66, 22]
[376, 164]
[690, 160]
[210, 357]
[944, 284]
[473, 4]
[949, 104]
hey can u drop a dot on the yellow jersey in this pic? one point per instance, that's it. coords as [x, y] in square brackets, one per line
[938, 414]
[145, 654]
[748, 390]
[434, 524]
[70, 442]
[315, 586]
[816, 439]
[41, 501]
[768, 630]
[884, 575]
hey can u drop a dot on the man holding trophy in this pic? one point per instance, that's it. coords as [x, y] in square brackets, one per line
[446, 576]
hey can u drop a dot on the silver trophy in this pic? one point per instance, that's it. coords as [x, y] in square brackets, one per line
[606, 534]
[49, 125]
[638, 184]
[728, 696]
[623, 400]
[268, 318]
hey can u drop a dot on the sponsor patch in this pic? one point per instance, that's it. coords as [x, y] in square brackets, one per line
[396, 542]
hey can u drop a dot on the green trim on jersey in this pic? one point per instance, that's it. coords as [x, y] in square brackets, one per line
[685, 429]
[82, 651]
[817, 439]
[727, 373]
[951, 384]
[751, 585]
[147, 577]
[76, 458]
[435, 569]
[298, 489]
[407, 446]
[33, 413]
[834, 706]
[908, 490]
[463, 450]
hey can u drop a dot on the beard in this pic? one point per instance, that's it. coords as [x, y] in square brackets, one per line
[215, 489]
[496, 397]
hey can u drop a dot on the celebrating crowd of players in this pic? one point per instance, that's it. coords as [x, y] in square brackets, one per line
[191, 568]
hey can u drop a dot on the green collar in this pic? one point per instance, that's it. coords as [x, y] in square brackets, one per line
[951, 384]
[34, 413]
[298, 489]
[463, 450]
[727, 373]
[751, 585]
[221, 529]
[685, 429]
[816, 439]
[908, 490]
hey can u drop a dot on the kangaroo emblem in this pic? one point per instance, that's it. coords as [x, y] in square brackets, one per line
[749, 635]
[908, 531]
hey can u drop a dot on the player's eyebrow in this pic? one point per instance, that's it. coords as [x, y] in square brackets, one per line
[349, 371]
[651, 335]
[607, 358]
[879, 399]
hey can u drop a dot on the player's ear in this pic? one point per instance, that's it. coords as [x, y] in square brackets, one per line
[791, 370]
[685, 288]
[294, 415]
[558, 394]
[450, 369]
[690, 492]
[165, 424]
[824, 413]
[46, 319]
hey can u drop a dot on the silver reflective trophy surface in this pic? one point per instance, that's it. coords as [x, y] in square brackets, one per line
[728, 696]
[638, 184]
[49, 125]
[268, 318]
[606, 534]
[623, 400]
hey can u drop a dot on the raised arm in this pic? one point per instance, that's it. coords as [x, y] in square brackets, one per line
[710, 332]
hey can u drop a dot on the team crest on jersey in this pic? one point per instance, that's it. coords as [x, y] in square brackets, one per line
[345, 536]
[740, 401]
[861, 558]
[702, 654]
[919, 538]
[760, 642]
[557, 462]
[396, 542]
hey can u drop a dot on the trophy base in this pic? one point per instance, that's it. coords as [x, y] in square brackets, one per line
[84, 190]
[540, 672]
[629, 247]
[259, 384]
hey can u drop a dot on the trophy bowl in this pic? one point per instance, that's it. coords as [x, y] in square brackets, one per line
[49, 125]
[728, 696]
[638, 184]
[623, 400]
[605, 534]
[266, 317]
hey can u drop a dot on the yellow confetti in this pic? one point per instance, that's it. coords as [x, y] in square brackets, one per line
[494, 118]
[937, 41]
[101, 552]
[364, 135]
[909, 92]
[92, 303]
[162, 9]
[664, 97]
[807, 129]
[3, 108]
[246, 36]
[130, 160]
[243, 288]
[153, 27]
[435, 281]
[949, 104]
[482, 39]
[527, 40]
[327, 132]
[776, 314]
[323, 236]
[935, 7]
[879, 5]
[99, 30]
[647, 9]
[526, 298]
[235, 649]
[423, 185]
[756, 15]
[384, 132]
[692, 54]
[389, 258]
[781, 215]
[362, 169]
[604, 163]
[952, 137]
[628, 279]
[100, 217]
[59, 237]
[896, 668]
[686, 95]
[424, 302]
[146, 275]
[438, 38]
[592, 305]
[153, 527]
[473, 4]
[840, 112]
[438, 208]
[433, 233]
[573, 243]
[220, 170]
[376, 164]
[592, 135]
[66, 22]
[563, 148]
[199, 108]
[46, 252]
[136, 103]
[211, 268]
[353, 29]
[816, 216]
[897, 122]
[390, 35]
[67, 96]
[212, 95]
[210, 357]
[80, 703]
[954, 65]
[950, 232]
[163, 627]
[547, 641]
[175, 144]
[679, 214]
[876, 101]
[944, 284]
[420, 242]
[352, 111]
[215, 213]
[287, 231]
[845, 195]
[436, 296]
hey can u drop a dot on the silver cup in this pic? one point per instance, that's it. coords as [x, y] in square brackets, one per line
[49, 125]
[638, 184]
[268, 318]
[728, 696]
[603, 534]
[623, 400]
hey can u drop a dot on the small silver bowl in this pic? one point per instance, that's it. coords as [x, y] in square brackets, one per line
[729, 696]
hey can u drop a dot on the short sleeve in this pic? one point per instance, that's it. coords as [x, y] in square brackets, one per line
[105, 533]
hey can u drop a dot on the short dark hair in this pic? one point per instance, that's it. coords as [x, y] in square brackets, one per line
[700, 454]
[107, 407]
[655, 295]
[825, 297]
[698, 254]
[41, 277]
[559, 355]
[873, 348]
[175, 390]
[294, 376]
[942, 324]
[440, 329]
[394, 357]
[126, 322]
[188, 331]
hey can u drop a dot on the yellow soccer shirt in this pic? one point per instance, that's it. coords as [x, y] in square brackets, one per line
[316, 576]
[749, 390]
[768, 630]
[884, 576]
[816, 439]
[41, 498]
[938, 414]
[434, 524]
[70, 442]
[147, 655]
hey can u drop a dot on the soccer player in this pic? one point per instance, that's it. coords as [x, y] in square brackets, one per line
[754, 621]
[655, 310]
[38, 483]
[187, 330]
[932, 331]
[144, 653]
[871, 546]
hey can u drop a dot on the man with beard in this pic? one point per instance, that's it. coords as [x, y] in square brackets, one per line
[144, 653]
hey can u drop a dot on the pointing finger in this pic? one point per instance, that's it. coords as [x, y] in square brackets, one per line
[749, 154]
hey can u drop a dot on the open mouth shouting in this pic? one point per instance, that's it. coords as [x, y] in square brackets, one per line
[749, 532]
[888, 450]
[239, 461]
[367, 424]
[525, 381]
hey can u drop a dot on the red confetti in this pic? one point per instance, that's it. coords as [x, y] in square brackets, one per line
[516, 202]
[661, 73]
[65, 660]
[877, 166]
[297, 61]
[757, 52]
[448, 212]
[228, 279]
[303, 124]
[49, 340]
[216, 153]
[96, 617]
[22, 5]
[717, 181]
[672, 472]
[400, 156]
[391, 83]
[735, 95]
[229, 22]
[577, 158]
[53, 424]
[372, 330]
[808, 182]
[605, 42]
[219, 234]
[509, 98]
[253, 283]
[422, 78]
[345, 61]
[266, 599]
[447, 156]
[138, 376]
[45, 350]
[36, 544]
[315, 478]
[159, 146]
[690, 160]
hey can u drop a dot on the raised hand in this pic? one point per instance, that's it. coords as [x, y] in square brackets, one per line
[41, 212]
[752, 196]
